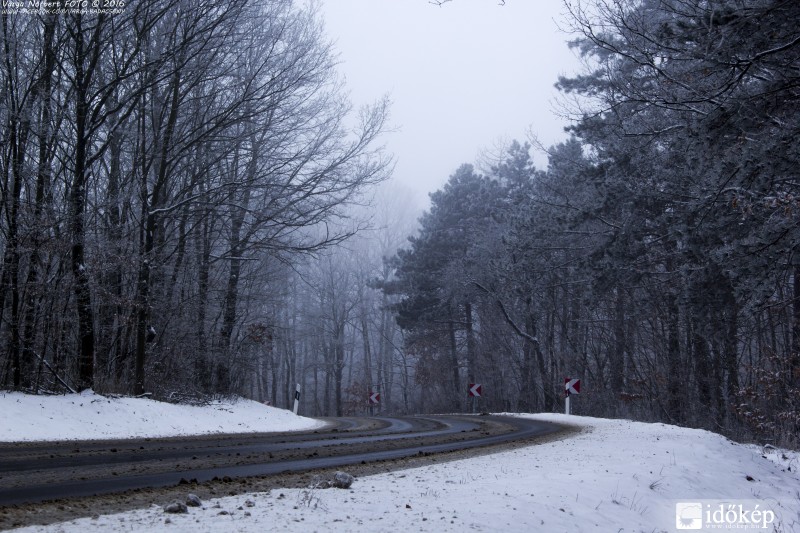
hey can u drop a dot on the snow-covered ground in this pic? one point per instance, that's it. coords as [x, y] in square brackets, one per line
[615, 476]
[24, 417]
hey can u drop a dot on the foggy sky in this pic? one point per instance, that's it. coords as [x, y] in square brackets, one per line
[462, 77]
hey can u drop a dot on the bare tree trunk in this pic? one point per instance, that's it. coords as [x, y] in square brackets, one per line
[731, 339]
[367, 352]
[702, 366]
[43, 180]
[338, 368]
[236, 249]
[86, 63]
[617, 355]
[111, 352]
[329, 364]
[471, 355]
[203, 237]
[150, 201]
[794, 357]
[550, 400]
[456, 383]
[11, 258]
[384, 355]
[529, 400]
[674, 409]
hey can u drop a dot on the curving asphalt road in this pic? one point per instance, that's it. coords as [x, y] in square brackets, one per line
[47, 471]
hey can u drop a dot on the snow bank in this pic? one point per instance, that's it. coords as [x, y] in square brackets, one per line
[25, 417]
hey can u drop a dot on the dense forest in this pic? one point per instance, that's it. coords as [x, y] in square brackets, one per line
[190, 207]
[162, 169]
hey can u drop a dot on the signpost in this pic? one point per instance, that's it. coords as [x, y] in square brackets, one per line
[374, 398]
[571, 386]
[475, 391]
[296, 398]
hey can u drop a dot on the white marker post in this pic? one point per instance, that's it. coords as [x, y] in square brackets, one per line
[566, 404]
[296, 399]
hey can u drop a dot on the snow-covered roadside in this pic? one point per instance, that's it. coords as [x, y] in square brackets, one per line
[614, 476]
[25, 417]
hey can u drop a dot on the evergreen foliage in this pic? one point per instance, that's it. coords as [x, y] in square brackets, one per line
[656, 257]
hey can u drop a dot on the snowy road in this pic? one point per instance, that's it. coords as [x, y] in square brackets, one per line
[45, 471]
[596, 475]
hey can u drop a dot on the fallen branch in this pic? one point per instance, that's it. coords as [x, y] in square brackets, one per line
[55, 374]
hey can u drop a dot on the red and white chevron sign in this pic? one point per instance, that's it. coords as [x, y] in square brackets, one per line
[572, 386]
[475, 390]
[374, 397]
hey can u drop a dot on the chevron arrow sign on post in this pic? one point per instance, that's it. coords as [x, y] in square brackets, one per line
[572, 386]
[374, 398]
[475, 390]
